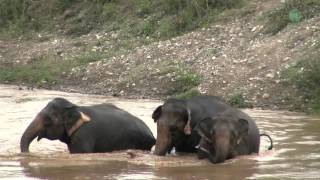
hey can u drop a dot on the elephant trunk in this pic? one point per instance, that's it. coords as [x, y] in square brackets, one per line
[221, 147]
[31, 133]
[164, 139]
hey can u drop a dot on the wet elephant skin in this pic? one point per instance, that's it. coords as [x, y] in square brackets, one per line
[176, 119]
[88, 129]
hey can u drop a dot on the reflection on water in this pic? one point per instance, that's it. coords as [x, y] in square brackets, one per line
[296, 139]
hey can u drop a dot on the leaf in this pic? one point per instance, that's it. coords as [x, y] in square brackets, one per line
[295, 15]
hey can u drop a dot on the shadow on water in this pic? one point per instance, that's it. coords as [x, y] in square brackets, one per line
[296, 140]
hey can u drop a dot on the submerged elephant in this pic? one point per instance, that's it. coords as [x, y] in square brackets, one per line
[88, 129]
[227, 135]
[176, 119]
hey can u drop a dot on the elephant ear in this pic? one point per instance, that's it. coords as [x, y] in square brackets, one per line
[157, 113]
[70, 116]
[74, 119]
[243, 128]
[204, 126]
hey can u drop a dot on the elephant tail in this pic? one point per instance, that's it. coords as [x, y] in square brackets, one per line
[271, 142]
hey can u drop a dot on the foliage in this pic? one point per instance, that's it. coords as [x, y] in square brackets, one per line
[238, 100]
[158, 19]
[185, 80]
[188, 94]
[305, 76]
[292, 11]
[45, 70]
[40, 71]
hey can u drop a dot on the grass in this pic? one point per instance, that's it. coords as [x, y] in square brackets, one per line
[185, 81]
[238, 100]
[292, 11]
[158, 19]
[88, 57]
[40, 71]
[188, 94]
[305, 76]
[45, 70]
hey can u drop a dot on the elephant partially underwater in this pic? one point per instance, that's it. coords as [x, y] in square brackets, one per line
[88, 129]
[176, 119]
[227, 135]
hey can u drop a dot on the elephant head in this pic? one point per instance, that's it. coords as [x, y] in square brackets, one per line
[220, 135]
[172, 118]
[58, 120]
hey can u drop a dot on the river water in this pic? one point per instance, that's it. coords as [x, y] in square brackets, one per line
[296, 139]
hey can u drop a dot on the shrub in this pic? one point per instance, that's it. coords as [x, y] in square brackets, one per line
[185, 80]
[238, 100]
[188, 94]
[88, 57]
[292, 11]
[45, 70]
[160, 19]
[305, 76]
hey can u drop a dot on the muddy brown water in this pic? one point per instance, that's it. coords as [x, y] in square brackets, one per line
[296, 139]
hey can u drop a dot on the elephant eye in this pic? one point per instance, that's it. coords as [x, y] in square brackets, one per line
[47, 121]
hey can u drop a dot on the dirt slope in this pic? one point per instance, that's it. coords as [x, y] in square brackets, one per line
[231, 58]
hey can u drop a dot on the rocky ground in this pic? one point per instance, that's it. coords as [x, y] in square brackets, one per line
[232, 58]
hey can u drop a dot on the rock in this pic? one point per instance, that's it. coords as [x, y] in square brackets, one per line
[265, 96]
[114, 35]
[270, 75]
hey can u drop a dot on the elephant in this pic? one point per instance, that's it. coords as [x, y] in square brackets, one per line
[176, 119]
[228, 134]
[88, 129]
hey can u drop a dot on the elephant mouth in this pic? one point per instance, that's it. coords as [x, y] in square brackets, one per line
[203, 149]
[40, 135]
[39, 138]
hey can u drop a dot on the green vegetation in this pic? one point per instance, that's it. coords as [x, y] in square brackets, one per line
[188, 94]
[238, 100]
[305, 76]
[86, 58]
[157, 19]
[41, 71]
[185, 81]
[45, 71]
[292, 11]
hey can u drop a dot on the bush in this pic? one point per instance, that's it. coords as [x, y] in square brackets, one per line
[185, 80]
[86, 58]
[162, 19]
[13, 14]
[238, 100]
[305, 76]
[292, 11]
[188, 94]
[45, 70]
[185, 15]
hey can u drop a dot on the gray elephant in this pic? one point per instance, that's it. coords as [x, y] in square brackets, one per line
[88, 129]
[176, 119]
[227, 135]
